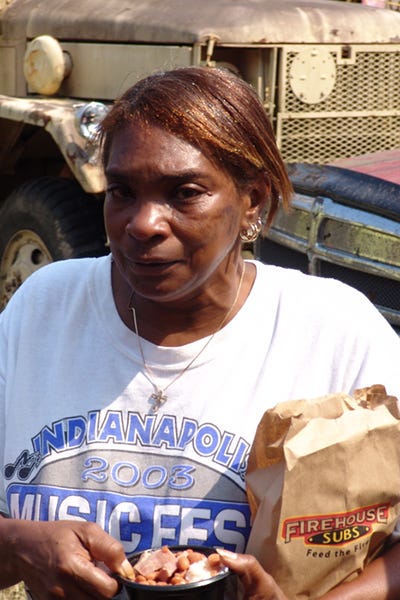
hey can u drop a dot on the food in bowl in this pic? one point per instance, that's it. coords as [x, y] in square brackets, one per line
[164, 566]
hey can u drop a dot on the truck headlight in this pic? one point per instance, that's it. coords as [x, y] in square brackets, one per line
[89, 117]
[46, 65]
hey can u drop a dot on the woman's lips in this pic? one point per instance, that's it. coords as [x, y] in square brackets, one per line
[152, 266]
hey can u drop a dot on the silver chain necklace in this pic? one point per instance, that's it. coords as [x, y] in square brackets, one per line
[159, 397]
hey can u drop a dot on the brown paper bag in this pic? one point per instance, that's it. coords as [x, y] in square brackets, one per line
[323, 482]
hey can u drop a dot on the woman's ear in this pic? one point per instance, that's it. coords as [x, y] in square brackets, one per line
[257, 199]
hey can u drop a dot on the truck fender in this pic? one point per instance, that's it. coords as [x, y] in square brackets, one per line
[59, 118]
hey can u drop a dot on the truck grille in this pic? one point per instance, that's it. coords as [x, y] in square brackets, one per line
[276, 254]
[357, 117]
[381, 291]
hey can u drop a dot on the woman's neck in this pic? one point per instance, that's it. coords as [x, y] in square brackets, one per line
[168, 324]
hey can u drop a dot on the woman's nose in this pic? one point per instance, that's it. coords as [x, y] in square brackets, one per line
[147, 219]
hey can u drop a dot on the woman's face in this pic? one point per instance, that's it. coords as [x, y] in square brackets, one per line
[172, 217]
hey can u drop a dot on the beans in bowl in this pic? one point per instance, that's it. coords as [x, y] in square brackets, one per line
[166, 567]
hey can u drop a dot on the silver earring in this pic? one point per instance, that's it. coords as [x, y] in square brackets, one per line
[252, 232]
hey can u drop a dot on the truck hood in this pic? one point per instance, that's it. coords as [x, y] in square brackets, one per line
[248, 22]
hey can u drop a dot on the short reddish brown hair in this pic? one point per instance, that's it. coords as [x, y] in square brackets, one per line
[215, 111]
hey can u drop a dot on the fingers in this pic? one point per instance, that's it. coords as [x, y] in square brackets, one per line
[94, 580]
[245, 565]
[257, 583]
[102, 547]
[61, 560]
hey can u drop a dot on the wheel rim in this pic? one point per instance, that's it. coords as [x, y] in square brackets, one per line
[24, 254]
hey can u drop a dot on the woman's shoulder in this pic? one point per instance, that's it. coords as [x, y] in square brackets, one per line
[61, 280]
[323, 306]
[288, 280]
[310, 295]
[70, 267]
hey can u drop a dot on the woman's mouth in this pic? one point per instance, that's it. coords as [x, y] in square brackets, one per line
[154, 266]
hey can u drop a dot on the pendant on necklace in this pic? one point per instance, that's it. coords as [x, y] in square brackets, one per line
[159, 398]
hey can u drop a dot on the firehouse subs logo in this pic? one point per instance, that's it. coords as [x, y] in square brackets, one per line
[335, 529]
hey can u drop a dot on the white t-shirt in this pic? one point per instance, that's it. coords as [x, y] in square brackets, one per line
[78, 439]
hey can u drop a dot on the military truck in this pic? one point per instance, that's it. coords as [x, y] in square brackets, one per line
[327, 72]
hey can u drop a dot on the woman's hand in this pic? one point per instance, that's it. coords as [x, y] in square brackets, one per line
[59, 559]
[257, 583]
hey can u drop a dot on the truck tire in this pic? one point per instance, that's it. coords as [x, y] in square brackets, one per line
[46, 220]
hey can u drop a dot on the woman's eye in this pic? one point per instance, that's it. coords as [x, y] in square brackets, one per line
[118, 192]
[187, 193]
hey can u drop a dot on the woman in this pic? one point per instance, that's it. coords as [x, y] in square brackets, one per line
[142, 376]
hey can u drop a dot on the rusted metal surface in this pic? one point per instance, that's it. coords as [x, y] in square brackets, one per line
[57, 117]
[182, 22]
